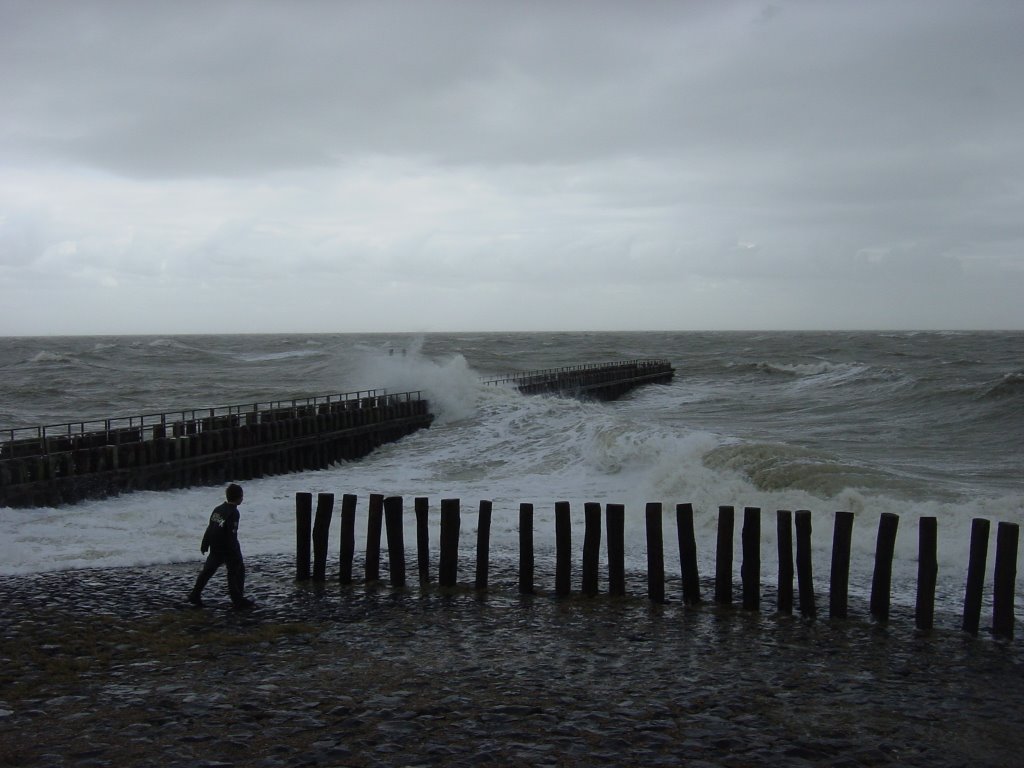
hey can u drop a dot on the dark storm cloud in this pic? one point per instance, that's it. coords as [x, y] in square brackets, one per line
[469, 144]
[229, 87]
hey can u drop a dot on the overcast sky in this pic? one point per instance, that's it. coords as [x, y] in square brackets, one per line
[430, 166]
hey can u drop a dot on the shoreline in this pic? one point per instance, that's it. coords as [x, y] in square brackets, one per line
[112, 667]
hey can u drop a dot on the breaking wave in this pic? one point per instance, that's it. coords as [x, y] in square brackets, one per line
[1011, 385]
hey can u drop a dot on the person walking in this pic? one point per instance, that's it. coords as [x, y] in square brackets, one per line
[221, 540]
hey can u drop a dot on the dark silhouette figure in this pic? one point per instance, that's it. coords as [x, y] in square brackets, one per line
[221, 539]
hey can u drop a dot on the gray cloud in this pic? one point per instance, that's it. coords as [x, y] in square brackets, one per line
[233, 87]
[773, 152]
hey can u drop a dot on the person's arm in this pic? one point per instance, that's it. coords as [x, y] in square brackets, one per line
[210, 537]
[231, 528]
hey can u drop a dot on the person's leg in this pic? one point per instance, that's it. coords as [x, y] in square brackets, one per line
[236, 579]
[240, 573]
[213, 562]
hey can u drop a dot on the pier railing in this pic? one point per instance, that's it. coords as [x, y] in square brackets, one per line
[66, 463]
[388, 514]
[42, 440]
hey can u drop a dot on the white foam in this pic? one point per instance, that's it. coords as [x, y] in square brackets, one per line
[451, 387]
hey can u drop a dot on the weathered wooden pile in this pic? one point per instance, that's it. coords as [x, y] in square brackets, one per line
[389, 513]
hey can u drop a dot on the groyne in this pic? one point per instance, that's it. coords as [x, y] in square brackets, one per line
[387, 515]
[66, 463]
[597, 381]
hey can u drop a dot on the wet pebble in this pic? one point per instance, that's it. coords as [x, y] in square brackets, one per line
[361, 676]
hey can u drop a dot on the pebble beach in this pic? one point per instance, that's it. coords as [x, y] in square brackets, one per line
[111, 667]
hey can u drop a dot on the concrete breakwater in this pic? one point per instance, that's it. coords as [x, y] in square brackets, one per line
[67, 463]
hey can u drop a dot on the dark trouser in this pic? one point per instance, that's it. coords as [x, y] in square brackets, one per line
[236, 573]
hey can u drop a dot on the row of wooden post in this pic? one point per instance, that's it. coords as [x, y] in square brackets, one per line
[387, 514]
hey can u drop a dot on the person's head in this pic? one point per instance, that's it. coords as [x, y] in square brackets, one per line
[234, 494]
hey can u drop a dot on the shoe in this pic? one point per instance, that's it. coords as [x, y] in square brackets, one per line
[195, 599]
[245, 602]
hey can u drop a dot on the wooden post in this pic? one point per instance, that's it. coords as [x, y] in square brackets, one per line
[591, 547]
[688, 554]
[750, 570]
[526, 549]
[321, 534]
[927, 573]
[976, 574]
[303, 533]
[347, 549]
[451, 521]
[881, 579]
[374, 524]
[422, 505]
[563, 549]
[615, 523]
[483, 545]
[804, 573]
[1007, 538]
[396, 539]
[723, 556]
[842, 538]
[655, 553]
[784, 529]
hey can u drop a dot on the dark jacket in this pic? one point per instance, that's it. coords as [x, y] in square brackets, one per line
[222, 533]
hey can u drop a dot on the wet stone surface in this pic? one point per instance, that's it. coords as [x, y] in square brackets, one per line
[111, 668]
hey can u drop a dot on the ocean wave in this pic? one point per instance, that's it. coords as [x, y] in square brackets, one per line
[269, 357]
[821, 371]
[1011, 385]
[163, 349]
[824, 375]
[163, 343]
[777, 467]
[50, 358]
[798, 369]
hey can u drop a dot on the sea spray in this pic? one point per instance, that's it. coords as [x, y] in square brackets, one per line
[451, 387]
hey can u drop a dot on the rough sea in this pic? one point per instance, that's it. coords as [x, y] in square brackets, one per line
[920, 424]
